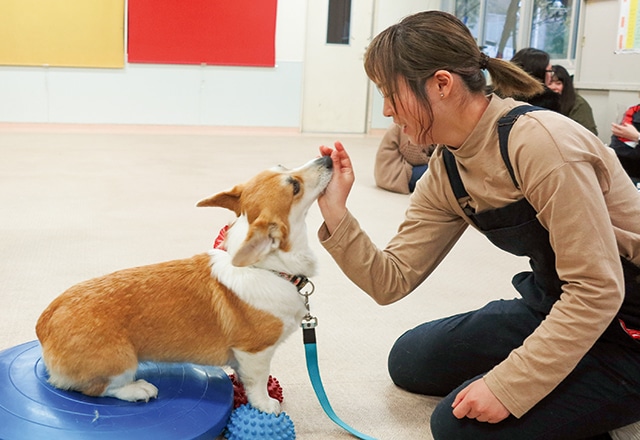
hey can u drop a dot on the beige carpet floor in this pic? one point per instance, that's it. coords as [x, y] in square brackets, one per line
[78, 202]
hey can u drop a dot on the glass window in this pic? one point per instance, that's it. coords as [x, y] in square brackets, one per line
[468, 11]
[501, 29]
[551, 28]
[494, 24]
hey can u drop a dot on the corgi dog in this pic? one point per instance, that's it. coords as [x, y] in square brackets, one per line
[225, 307]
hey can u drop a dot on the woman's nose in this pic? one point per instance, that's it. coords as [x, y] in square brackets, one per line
[387, 108]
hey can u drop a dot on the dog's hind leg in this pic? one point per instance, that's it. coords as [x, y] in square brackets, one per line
[125, 387]
[253, 371]
[107, 370]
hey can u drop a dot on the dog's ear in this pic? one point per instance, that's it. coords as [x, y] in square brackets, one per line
[227, 199]
[263, 237]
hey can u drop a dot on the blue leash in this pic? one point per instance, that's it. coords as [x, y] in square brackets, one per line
[309, 324]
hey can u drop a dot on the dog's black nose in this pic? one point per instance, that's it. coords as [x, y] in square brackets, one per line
[326, 161]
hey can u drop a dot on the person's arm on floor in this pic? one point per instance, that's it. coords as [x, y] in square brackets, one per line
[391, 170]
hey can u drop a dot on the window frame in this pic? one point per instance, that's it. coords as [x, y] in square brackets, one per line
[524, 28]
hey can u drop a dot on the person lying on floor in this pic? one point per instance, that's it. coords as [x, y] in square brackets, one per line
[399, 163]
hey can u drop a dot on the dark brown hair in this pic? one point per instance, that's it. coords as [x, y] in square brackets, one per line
[533, 61]
[568, 95]
[423, 43]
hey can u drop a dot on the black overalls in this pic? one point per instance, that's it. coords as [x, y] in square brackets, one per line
[603, 392]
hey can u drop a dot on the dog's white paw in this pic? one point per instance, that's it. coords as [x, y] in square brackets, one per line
[134, 391]
[267, 405]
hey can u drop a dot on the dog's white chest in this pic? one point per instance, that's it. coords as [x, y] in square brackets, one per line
[259, 288]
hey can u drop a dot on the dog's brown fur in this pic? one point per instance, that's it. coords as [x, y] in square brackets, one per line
[130, 326]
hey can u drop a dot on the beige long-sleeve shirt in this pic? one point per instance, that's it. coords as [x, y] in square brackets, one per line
[395, 159]
[583, 198]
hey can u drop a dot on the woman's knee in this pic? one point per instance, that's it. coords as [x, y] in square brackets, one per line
[400, 365]
[432, 358]
[417, 363]
[444, 425]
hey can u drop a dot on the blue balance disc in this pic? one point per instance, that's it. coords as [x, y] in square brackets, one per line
[194, 402]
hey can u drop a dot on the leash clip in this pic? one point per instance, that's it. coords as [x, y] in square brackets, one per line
[308, 321]
[307, 293]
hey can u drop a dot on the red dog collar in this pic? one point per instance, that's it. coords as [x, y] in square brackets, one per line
[219, 242]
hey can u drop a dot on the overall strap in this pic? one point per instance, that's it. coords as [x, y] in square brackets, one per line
[454, 175]
[504, 128]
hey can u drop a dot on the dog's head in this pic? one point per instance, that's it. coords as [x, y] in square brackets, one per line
[271, 208]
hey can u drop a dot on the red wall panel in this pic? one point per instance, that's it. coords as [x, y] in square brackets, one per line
[222, 32]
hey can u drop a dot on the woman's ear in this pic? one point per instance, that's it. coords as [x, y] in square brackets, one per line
[441, 83]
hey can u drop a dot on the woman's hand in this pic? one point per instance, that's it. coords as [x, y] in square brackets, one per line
[333, 203]
[476, 401]
[626, 131]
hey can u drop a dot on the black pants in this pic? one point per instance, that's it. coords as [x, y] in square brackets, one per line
[441, 357]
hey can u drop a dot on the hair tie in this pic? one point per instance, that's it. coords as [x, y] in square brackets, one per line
[484, 60]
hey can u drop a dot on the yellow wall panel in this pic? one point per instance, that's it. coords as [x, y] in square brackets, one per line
[72, 33]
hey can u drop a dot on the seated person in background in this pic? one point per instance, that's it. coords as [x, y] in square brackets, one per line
[572, 104]
[537, 63]
[399, 163]
[625, 139]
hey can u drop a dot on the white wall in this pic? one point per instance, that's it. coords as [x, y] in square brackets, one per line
[272, 97]
[166, 94]
[610, 82]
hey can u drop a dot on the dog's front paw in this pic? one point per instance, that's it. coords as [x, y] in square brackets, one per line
[267, 405]
[134, 391]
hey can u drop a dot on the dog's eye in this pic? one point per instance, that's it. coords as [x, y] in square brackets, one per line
[296, 186]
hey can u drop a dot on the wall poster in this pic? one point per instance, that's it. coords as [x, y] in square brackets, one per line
[219, 32]
[628, 39]
[66, 33]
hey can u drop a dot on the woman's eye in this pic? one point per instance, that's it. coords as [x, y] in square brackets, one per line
[296, 187]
